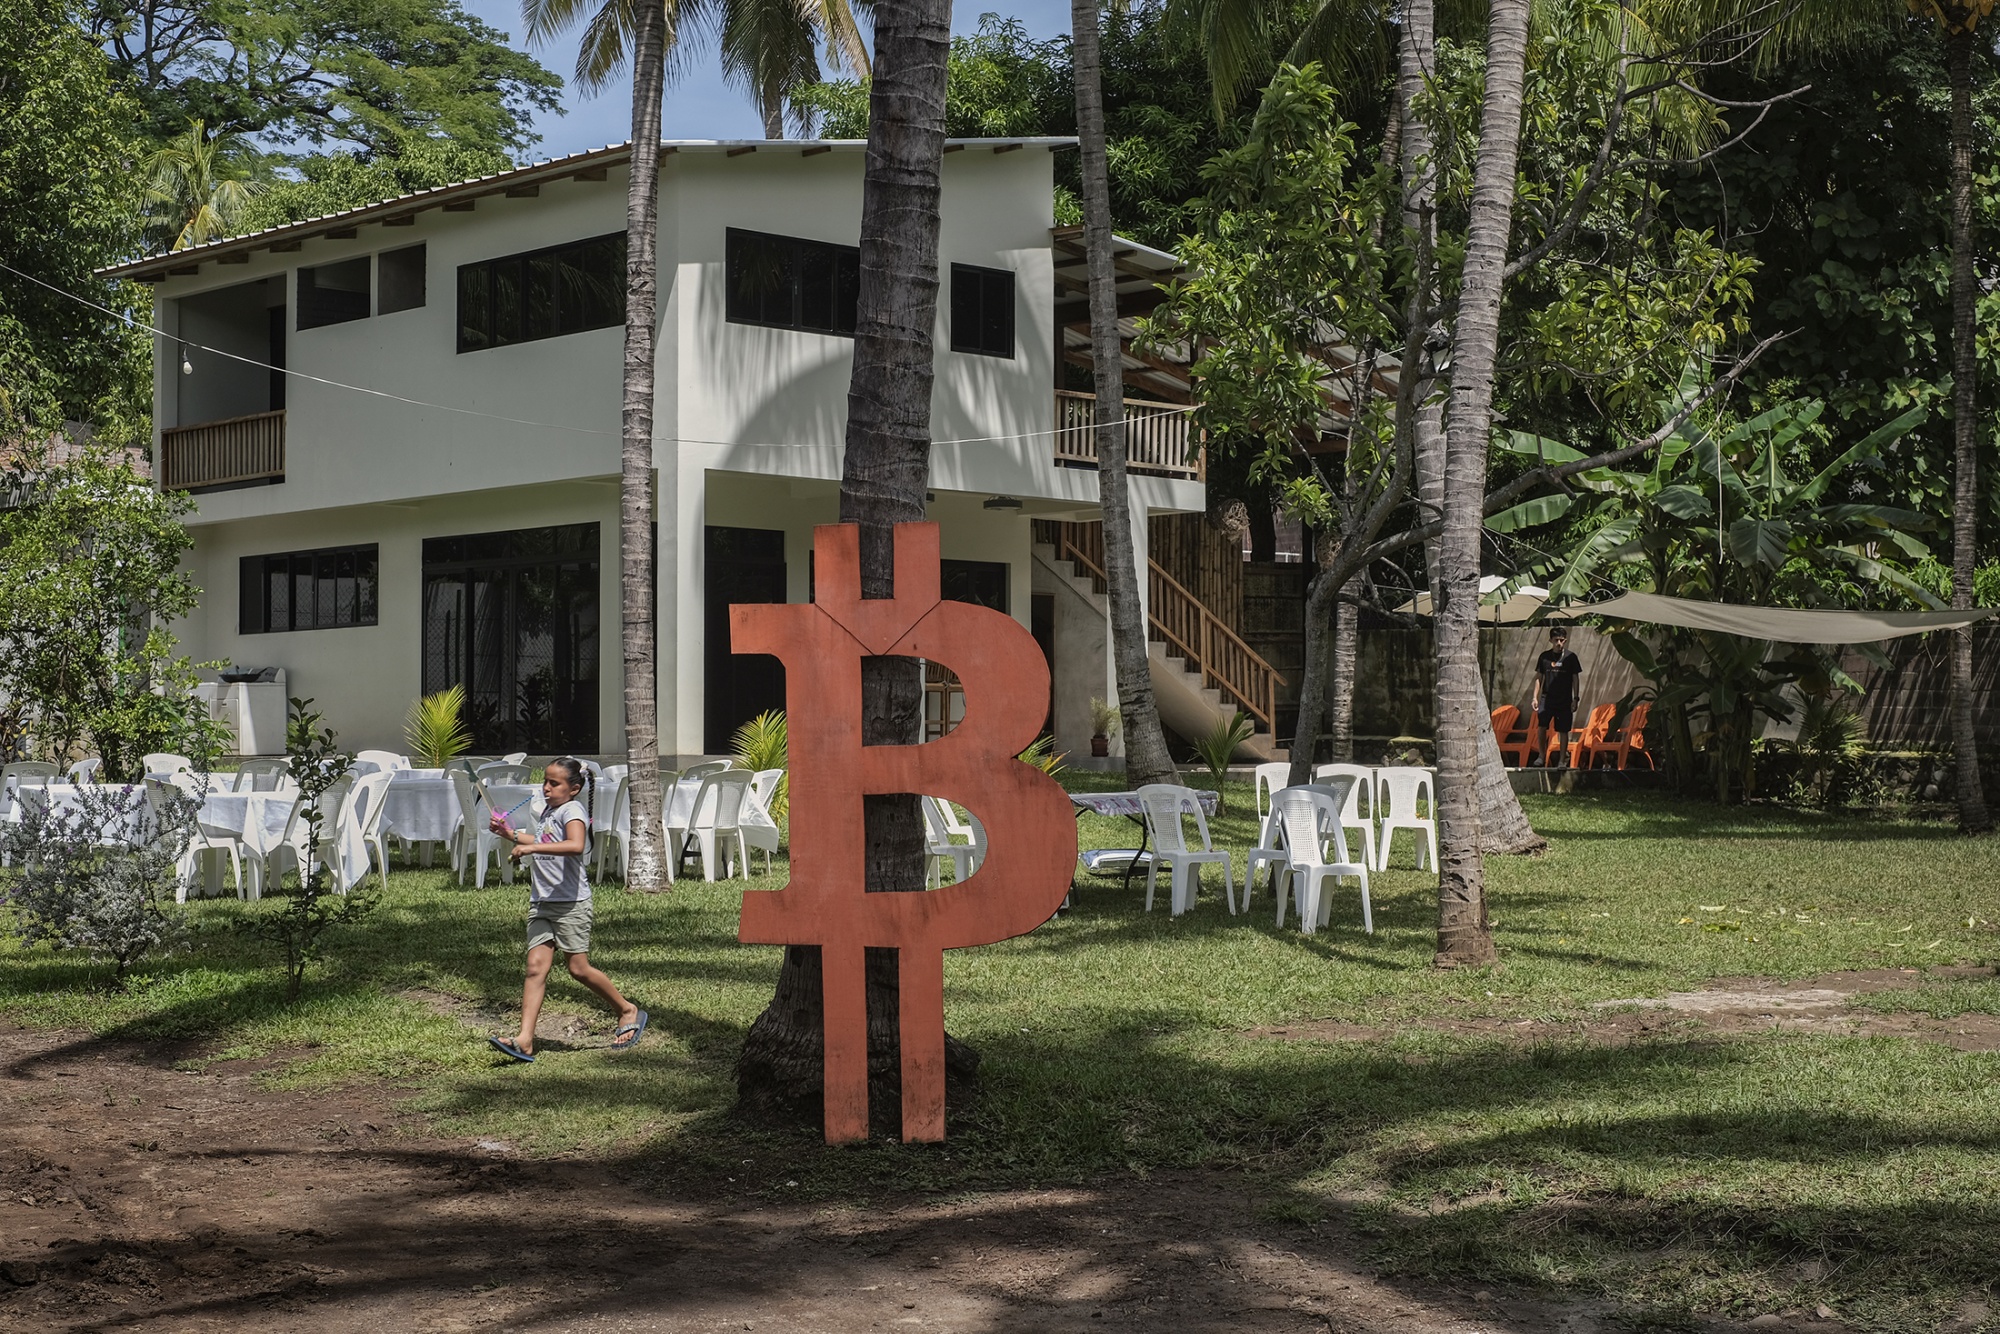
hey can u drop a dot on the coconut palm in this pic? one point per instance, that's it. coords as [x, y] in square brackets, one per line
[770, 47]
[1146, 757]
[197, 185]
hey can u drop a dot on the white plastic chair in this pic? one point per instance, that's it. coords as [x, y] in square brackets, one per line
[200, 848]
[385, 761]
[84, 771]
[161, 764]
[618, 829]
[501, 771]
[475, 842]
[1305, 814]
[1272, 849]
[1164, 804]
[1270, 778]
[763, 834]
[262, 775]
[1402, 787]
[517, 757]
[939, 844]
[1351, 815]
[292, 849]
[701, 769]
[714, 821]
[365, 804]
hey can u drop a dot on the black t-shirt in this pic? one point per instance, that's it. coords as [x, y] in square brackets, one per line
[1558, 669]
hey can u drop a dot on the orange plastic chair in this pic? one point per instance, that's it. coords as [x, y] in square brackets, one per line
[1591, 743]
[1635, 738]
[1511, 737]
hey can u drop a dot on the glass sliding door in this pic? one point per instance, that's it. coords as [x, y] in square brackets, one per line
[513, 617]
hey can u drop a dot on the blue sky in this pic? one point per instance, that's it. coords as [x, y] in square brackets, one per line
[701, 105]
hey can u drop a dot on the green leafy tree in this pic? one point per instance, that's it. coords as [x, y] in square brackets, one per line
[90, 575]
[324, 183]
[67, 159]
[358, 74]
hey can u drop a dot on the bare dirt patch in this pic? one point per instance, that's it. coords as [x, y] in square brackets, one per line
[134, 1195]
[1728, 1006]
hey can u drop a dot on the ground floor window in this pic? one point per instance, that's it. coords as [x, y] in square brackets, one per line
[513, 617]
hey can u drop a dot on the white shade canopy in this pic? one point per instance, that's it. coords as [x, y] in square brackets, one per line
[1512, 608]
[1786, 625]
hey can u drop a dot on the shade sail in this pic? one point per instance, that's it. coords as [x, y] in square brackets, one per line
[1787, 625]
[1513, 609]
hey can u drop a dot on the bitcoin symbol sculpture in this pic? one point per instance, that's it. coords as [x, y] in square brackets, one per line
[1030, 832]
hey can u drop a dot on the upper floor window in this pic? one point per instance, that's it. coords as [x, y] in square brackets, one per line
[333, 293]
[542, 293]
[788, 283]
[982, 310]
[307, 590]
[399, 280]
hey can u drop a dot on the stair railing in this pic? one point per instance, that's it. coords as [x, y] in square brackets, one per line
[1181, 621]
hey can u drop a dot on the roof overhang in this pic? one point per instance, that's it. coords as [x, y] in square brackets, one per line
[592, 165]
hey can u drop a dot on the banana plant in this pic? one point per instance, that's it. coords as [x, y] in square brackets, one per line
[1721, 516]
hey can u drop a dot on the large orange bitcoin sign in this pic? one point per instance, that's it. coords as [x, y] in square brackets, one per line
[1030, 834]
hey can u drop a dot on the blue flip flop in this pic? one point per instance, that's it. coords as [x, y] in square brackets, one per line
[637, 1028]
[507, 1048]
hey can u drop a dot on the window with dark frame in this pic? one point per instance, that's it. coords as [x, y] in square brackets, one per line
[334, 293]
[982, 310]
[399, 280]
[788, 283]
[328, 589]
[542, 293]
[981, 582]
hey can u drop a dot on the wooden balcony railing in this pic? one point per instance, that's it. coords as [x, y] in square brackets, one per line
[1179, 619]
[224, 453]
[1156, 436]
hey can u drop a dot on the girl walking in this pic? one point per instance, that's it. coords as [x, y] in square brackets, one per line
[559, 907]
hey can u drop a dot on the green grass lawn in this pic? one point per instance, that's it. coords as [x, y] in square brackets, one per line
[1681, 1173]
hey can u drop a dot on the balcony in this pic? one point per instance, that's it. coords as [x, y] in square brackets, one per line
[1156, 436]
[241, 451]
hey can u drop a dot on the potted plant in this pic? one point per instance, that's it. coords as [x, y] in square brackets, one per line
[1103, 726]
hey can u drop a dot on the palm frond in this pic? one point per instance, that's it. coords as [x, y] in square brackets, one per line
[435, 730]
[1218, 747]
[1043, 755]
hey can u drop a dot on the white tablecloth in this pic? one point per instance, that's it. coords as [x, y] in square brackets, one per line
[130, 828]
[420, 806]
[256, 819]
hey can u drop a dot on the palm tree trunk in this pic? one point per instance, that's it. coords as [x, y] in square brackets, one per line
[1146, 758]
[1464, 936]
[635, 496]
[883, 480]
[1973, 817]
[1503, 825]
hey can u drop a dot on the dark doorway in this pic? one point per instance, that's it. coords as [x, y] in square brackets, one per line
[513, 617]
[741, 565]
[1042, 623]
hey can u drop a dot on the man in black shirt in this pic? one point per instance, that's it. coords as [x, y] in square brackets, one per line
[1554, 699]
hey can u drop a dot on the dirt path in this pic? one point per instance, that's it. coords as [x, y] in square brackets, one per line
[136, 1196]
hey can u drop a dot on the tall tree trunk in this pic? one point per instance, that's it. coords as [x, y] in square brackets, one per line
[636, 524]
[1146, 758]
[1973, 817]
[883, 480]
[1503, 825]
[1464, 936]
[1346, 653]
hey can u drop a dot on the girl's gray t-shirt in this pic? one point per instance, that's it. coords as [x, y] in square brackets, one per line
[559, 879]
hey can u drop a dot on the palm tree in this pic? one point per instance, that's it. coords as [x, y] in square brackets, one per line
[647, 28]
[1146, 758]
[1959, 18]
[884, 475]
[1463, 934]
[197, 186]
[770, 47]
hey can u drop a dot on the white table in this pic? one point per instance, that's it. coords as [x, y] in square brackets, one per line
[131, 827]
[420, 806]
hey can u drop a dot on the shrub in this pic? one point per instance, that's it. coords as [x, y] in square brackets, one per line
[763, 743]
[435, 729]
[299, 927]
[1216, 749]
[86, 886]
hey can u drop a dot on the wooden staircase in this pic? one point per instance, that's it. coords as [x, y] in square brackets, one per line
[1202, 670]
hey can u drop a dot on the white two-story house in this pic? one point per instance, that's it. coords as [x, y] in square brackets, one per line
[401, 426]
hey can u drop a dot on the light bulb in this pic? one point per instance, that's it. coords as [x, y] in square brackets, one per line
[187, 366]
